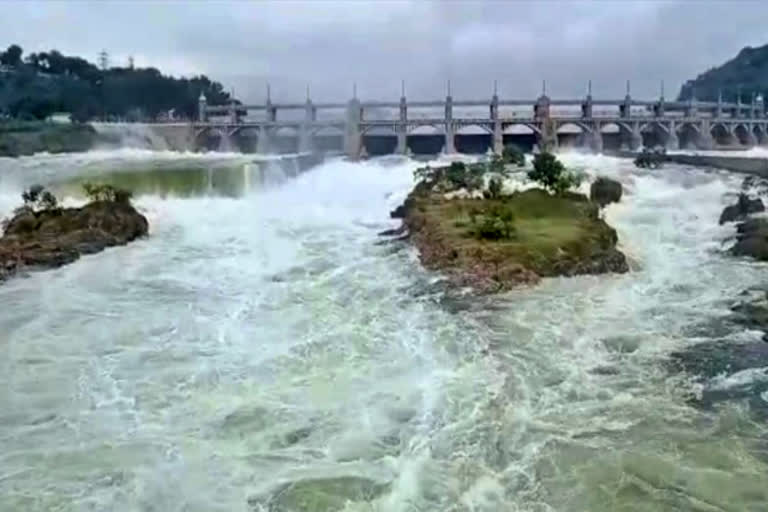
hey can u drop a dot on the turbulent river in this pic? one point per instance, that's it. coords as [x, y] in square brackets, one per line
[261, 351]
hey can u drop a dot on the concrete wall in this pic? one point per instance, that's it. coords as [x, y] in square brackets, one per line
[743, 164]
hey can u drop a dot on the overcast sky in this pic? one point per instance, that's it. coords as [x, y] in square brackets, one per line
[330, 45]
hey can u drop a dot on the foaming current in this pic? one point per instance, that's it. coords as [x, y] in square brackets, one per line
[266, 352]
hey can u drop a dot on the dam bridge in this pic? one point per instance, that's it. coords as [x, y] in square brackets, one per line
[638, 123]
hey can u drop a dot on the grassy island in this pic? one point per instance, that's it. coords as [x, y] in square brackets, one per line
[465, 225]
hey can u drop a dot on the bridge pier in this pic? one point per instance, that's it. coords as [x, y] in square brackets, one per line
[498, 133]
[402, 128]
[635, 137]
[751, 140]
[306, 139]
[704, 139]
[672, 141]
[353, 138]
[264, 141]
[547, 136]
[596, 138]
[450, 146]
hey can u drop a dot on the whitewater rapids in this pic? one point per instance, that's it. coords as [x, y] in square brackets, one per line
[261, 351]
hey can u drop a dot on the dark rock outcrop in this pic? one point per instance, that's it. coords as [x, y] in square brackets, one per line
[743, 207]
[752, 239]
[52, 238]
[605, 191]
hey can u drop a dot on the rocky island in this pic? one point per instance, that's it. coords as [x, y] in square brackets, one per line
[465, 225]
[42, 235]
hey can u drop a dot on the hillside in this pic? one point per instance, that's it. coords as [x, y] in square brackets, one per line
[748, 70]
[35, 86]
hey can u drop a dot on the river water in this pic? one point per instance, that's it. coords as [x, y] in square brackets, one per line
[261, 351]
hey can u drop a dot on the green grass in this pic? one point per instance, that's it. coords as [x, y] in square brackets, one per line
[548, 229]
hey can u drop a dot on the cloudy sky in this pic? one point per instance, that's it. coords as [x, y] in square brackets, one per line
[331, 45]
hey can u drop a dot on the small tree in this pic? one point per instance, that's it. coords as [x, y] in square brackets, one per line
[107, 193]
[513, 155]
[494, 188]
[552, 174]
[36, 198]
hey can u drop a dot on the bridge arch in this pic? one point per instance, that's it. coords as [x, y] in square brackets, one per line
[688, 135]
[721, 133]
[520, 128]
[610, 128]
[426, 129]
[328, 131]
[473, 129]
[286, 131]
[378, 130]
[742, 133]
[572, 128]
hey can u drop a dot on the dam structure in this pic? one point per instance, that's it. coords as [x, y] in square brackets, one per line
[396, 125]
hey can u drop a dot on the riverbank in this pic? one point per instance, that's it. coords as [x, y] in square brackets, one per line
[495, 244]
[27, 138]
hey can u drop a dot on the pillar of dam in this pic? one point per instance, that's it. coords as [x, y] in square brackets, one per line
[751, 140]
[450, 146]
[547, 136]
[704, 139]
[202, 105]
[306, 140]
[596, 138]
[402, 127]
[498, 134]
[635, 137]
[353, 137]
[672, 142]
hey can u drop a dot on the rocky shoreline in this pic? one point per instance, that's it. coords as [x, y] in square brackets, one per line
[549, 235]
[35, 239]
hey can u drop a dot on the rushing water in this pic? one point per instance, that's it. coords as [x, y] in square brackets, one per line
[261, 351]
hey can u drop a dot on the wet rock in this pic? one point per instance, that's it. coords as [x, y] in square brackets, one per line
[52, 238]
[394, 231]
[605, 191]
[312, 495]
[752, 239]
[743, 207]
[728, 371]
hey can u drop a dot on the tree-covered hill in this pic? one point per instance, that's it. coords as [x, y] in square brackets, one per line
[35, 86]
[747, 72]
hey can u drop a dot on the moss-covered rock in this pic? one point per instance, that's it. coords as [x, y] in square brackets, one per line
[55, 237]
[549, 236]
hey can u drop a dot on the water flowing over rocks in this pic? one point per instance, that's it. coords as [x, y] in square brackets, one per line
[743, 207]
[52, 238]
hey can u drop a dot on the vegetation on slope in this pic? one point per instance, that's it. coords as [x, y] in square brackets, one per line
[747, 72]
[35, 86]
[500, 241]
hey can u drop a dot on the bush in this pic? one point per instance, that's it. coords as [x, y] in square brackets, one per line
[498, 223]
[36, 198]
[454, 177]
[494, 188]
[650, 159]
[513, 155]
[550, 173]
[108, 193]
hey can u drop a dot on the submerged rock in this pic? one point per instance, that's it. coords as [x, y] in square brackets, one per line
[55, 237]
[739, 211]
[728, 371]
[605, 191]
[311, 495]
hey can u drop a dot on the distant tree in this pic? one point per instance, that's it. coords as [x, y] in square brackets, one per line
[12, 56]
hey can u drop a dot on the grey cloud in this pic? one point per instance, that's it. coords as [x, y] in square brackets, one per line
[376, 44]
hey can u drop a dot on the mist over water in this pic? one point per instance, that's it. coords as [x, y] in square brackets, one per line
[262, 351]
